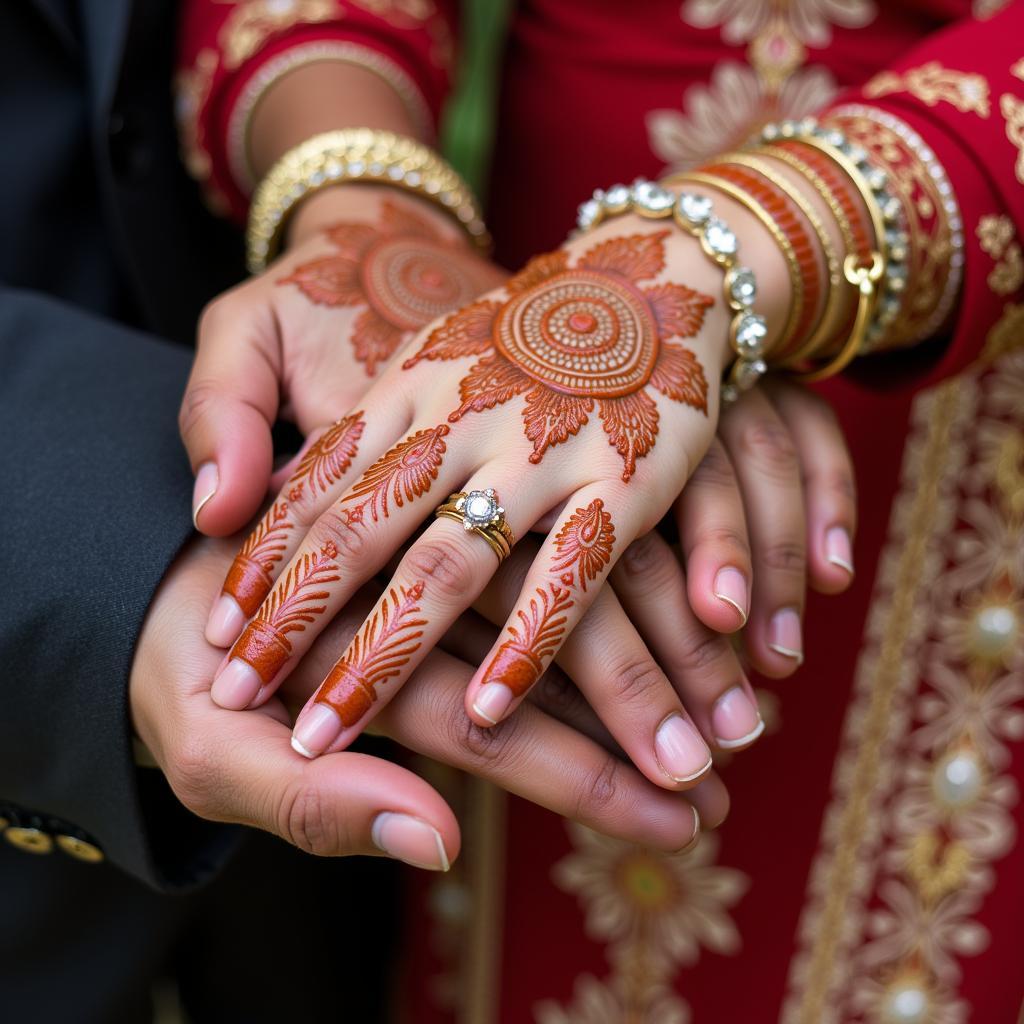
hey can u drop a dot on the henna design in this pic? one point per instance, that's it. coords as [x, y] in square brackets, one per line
[387, 641]
[294, 603]
[404, 473]
[578, 338]
[403, 271]
[583, 546]
[250, 577]
[519, 661]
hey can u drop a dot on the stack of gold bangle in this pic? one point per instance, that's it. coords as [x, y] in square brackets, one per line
[355, 155]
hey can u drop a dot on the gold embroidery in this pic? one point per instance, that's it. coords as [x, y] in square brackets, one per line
[996, 238]
[983, 9]
[1006, 334]
[1017, 70]
[249, 25]
[994, 234]
[1013, 110]
[932, 84]
[191, 91]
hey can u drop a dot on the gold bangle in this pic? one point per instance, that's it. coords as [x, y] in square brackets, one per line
[795, 277]
[835, 274]
[355, 155]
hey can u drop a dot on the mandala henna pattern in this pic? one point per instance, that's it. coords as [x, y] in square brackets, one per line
[251, 574]
[403, 271]
[581, 339]
[583, 549]
[294, 603]
[384, 646]
[403, 474]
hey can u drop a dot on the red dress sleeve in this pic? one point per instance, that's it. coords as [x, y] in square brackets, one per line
[231, 51]
[959, 98]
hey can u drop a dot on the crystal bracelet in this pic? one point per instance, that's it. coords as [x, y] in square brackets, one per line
[696, 216]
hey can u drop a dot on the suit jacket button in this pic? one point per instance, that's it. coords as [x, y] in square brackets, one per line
[80, 849]
[31, 840]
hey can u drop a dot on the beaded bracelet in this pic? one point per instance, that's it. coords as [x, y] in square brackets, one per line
[696, 216]
[355, 155]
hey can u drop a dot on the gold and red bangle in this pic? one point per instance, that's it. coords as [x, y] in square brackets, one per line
[788, 218]
[934, 228]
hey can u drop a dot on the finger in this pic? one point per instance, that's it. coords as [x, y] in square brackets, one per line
[229, 407]
[330, 462]
[713, 534]
[436, 581]
[345, 546]
[830, 492]
[241, 768]
[764, 456]
[700, 662]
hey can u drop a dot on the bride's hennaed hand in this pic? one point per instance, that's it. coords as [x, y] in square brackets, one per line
[367, 266]
[590, 382]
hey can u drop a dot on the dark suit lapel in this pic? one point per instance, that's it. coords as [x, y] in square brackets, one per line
[104, 29]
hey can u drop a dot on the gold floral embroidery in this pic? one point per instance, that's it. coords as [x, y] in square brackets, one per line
[983, 9]
[249, 25]
[996, 238]
[932, 84]
[654, 911]
[1013, 110]
[191, 91]
[1017, 70]
[1006, 334]
[392, 10]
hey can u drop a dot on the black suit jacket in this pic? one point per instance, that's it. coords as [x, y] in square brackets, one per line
[106, 257]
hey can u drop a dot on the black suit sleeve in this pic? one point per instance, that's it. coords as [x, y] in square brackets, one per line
[96, 495]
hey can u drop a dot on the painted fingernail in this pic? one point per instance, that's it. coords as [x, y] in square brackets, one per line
[410, 840]
[236, 685]
[735, 720]
[316, 729]
[696, 832]
[225, 622]
[838, 549]
[205, 488]
[731, 587]
[681, 752]
[784, 636]
[492, 702]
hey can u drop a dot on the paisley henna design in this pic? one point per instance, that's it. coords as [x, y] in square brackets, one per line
[403, 271]
[581, 339]
[519, 661]
[583, 546]
[250, 577]
[294, 602]
[386, 643]
[403, 473]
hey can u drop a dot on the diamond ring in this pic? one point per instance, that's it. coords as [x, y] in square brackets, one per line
[479, 512]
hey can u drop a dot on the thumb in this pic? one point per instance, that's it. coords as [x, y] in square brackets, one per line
[229, 407]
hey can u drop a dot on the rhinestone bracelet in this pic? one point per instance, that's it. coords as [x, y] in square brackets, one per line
[696, 216]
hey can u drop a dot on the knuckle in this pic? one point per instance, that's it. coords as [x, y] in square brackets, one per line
[351, 541]
[446, 565]
[597, 789]
[637, 681]
[645, 555]
[701, 650]
[770, 444]
[189, 772]
[200, 397]
[486, 749]
[715, 469]
[730, 542]
[557, 694]
[786, 556]
[305, 821]
[837, 481]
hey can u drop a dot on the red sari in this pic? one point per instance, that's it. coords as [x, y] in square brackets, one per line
[870, 869]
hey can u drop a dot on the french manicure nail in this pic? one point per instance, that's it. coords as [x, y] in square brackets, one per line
[735, 720]
[225, 622]
[205, 488]
[492, 702]
[316, 729]
[696, 832]
[731, 587]
[410, 840]
[236, 686]
[784, 635]
[681, 753]
[838, 549]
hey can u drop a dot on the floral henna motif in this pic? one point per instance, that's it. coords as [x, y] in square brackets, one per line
[583, 546]
[404, 473]
[403, 271]
[388, 640]
[250, 577]
[293, 604]
[579, 339]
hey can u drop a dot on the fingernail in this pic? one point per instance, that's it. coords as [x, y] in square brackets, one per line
[225, 622]
[838, 549]
[680, 751]
[735, 720]
[236, 685]
[731, 587]
[316, 729]
[492, 702]
[784, 634]
[696, 832]
[410, 840]
[204, 490]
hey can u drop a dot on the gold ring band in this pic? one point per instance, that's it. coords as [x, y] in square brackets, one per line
[479, 512]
